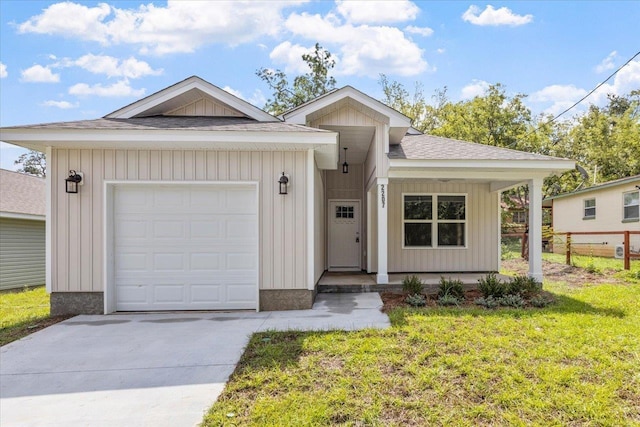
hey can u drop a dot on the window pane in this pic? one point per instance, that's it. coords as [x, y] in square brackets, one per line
[417, 207]
[590, 203]
[631, 212]
[632, 198]
[417, 234]
[451, 207]
[450, 234]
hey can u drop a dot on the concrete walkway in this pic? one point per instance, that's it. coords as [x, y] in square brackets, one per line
[160, 369]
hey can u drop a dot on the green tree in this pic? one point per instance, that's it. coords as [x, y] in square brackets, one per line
[33, 162]
[306, 87]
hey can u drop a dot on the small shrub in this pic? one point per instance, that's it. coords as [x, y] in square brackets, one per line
[523, 285]
[540, 301]
[416, 300]
[512, 300]
[591, 267]
[449, 300]
[491, 286]
[488, 302]
[506, 253]
[451, 287]
[412, 285]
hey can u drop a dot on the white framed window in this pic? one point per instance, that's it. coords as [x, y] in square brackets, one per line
[519, 217]
[589, 209]
[631, 205]
[434, 220]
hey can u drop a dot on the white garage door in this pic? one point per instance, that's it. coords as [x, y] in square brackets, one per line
[185, 247]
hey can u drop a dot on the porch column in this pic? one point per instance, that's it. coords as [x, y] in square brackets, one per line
[535, 228]
[383, 196]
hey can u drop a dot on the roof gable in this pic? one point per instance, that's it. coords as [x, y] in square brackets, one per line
[193, 96]
[299, 115]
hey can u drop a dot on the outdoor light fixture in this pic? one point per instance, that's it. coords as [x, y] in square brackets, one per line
[345, 165]
[284, 182]
[73, 181]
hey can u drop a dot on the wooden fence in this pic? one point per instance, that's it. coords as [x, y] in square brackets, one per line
[627, 248]
[628, 255]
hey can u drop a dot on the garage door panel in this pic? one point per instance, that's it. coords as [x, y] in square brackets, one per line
[169, 262]
[185, 248]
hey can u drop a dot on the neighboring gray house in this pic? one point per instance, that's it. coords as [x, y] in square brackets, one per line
[23, 205]
[193, 199]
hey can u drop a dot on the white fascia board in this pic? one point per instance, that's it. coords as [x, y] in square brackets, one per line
[176, 139]
[484, 175]
[14, 215]
[215, 92]
[506, 165]
[299, 115]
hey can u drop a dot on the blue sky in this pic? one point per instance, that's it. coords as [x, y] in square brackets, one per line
[64, 61]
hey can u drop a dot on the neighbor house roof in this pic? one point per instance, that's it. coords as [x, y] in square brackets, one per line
[429, 147]
[613, 183]
[22, 195]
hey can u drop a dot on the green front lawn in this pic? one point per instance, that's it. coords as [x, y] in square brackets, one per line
[574, 363]
[23, 312]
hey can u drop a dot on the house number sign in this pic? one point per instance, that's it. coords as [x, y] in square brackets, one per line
[382, 197]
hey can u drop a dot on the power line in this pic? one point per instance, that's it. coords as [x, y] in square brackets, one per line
[586, 96]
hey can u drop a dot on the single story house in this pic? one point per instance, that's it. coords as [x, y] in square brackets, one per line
[193, 199]
[611, 206]
[23, 203]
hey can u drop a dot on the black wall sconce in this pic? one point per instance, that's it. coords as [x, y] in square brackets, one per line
[345, 165]
[283, 183]
[73, 181]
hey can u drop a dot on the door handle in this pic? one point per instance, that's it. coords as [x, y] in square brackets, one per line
[357, 240]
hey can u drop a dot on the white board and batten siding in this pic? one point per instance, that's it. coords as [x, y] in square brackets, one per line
[78, 230]
[22, 253]
[481, 252]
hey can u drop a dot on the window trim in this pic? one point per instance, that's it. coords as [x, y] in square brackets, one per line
[524, 213]
[633, 219]
[584, 208]
[434, 222]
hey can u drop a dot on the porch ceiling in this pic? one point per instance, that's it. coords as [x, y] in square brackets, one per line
[356, 138]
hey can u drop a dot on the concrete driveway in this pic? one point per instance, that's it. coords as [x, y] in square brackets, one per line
[161, 369]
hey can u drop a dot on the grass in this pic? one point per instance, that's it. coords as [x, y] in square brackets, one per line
[23, 312]
[573, 363]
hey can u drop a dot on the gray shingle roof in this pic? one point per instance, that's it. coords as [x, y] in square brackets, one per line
[22, 194]
[177, 123]
[429, 147]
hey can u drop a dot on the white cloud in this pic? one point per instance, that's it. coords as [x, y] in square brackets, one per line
[180, 26]
[377, 12]
[440, 51]
[3, 71]
[423, 31]
[607, 63]
[64, 105]
[361, 50]
[473, 89]
[558, 93]
[627, 79]
[561, 97]
[291, 56]
[119, 89]
[114, 67]
[39, 74]
[495, 17]
[257, 98]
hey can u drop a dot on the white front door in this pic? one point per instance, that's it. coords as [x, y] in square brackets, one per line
[344, 235]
